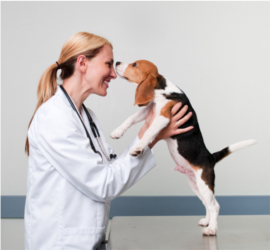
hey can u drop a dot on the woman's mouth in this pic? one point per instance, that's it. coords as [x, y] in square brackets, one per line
[106, 83]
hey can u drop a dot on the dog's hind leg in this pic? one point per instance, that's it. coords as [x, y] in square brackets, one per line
[210, 202]
[192, 182]
[204, 221]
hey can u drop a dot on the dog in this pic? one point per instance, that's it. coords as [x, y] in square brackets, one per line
[188, 149]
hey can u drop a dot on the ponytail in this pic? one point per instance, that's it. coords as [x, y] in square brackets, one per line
[46, 89]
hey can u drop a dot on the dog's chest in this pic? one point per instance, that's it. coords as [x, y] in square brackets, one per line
[178, 158]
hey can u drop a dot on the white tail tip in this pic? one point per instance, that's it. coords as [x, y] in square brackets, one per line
[241, 144]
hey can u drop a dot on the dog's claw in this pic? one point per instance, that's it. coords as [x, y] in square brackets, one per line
[203, 222]
[209, 231]
[136, 151]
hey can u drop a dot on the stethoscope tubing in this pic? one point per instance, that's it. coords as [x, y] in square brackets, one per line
[92, 126]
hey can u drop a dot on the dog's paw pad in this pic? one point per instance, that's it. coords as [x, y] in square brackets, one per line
[209, 231]
[203, 222]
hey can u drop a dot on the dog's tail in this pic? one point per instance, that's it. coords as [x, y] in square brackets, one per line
[232, 148]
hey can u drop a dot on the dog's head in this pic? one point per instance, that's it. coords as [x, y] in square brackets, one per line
[145, 75]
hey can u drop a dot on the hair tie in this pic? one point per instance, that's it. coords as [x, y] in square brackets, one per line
[58, 66]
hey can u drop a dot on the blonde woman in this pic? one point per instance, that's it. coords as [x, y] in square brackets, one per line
[73, 173]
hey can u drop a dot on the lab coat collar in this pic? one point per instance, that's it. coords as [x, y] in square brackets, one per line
[61, 94]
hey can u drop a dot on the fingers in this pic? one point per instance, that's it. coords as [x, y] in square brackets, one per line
[180, 114]
[175, 108]
[184, 119]
[183, 130]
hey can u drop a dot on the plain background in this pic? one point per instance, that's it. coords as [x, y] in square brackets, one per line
[217, 52]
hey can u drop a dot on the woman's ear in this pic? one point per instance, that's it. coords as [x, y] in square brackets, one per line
[81, 60]
[145, 91]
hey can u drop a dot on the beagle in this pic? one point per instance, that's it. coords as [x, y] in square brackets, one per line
[188, 149]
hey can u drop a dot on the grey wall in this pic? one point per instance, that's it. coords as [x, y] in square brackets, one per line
[217, 52]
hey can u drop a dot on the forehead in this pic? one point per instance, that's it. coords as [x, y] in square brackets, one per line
[106, 52]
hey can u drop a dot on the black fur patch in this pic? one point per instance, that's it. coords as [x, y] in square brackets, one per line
[161, 82]
[221, 154]
[191, 144]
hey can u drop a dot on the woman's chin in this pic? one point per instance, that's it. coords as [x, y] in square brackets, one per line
[103, 93]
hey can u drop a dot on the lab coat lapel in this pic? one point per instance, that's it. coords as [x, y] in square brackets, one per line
[94, 140]
[85, 121]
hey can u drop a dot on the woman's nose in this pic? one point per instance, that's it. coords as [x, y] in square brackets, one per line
[113, 73]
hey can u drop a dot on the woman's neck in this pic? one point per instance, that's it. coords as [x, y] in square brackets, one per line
[75, 89]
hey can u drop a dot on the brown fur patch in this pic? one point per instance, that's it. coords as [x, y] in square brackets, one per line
[208, 175]
[145, 91]
[194, 167]
[166, 110]
[141, 71]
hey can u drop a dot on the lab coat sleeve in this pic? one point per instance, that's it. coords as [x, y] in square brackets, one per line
[67, 148]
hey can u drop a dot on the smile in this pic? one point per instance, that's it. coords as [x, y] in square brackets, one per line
[106, 83]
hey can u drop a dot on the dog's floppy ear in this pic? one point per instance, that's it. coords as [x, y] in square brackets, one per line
[145, 91]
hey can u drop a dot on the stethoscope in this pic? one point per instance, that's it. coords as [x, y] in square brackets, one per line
[93, 128]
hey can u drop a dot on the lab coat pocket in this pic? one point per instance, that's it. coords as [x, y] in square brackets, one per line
[83, 238]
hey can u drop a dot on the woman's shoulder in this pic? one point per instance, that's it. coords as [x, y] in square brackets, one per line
[54, 110]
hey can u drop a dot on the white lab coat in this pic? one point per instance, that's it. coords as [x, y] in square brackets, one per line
[68, 188]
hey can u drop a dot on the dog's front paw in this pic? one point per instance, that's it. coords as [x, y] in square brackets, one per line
[135, 151]
[117, 133]
[210, 231]
[203, 222]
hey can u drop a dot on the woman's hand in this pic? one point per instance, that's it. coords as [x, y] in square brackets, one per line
[171, 129]
[176, 121]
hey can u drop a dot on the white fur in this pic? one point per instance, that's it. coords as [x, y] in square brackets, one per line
[242, 144]
[158, 124]
[170, 88]
[204, 221]
[210, 203]
[137, 117]
[120, 69]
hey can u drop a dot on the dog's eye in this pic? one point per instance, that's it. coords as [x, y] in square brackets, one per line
[134, 65]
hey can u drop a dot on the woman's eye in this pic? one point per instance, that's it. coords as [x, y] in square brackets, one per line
[134, 65]
[109, 64]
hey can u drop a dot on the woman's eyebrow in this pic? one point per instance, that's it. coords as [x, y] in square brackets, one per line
[111, 60]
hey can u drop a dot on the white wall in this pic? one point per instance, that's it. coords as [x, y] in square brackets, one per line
[217, 52]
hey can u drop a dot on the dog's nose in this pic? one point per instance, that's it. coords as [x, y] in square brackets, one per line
[117, 63]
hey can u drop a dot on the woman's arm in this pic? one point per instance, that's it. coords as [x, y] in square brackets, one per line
[172, 128]
[61, 140]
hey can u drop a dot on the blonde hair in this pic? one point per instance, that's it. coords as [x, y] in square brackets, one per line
[82, 43]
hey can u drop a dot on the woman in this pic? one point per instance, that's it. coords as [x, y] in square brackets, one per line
[71, 178]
